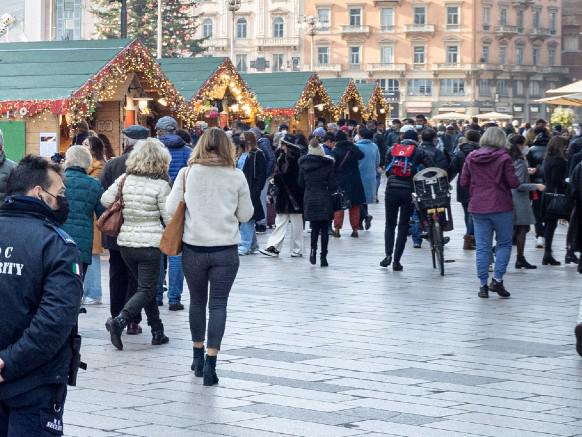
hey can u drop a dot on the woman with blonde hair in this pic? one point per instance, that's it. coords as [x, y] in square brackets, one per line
[145, 187]
[217, 200]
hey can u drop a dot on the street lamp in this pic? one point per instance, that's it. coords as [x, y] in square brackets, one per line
[313, 26]
[233, 6]
[160, 35]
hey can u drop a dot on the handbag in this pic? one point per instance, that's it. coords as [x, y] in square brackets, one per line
[339, 199]
[557, 206]
[171, 242]
[111, 220]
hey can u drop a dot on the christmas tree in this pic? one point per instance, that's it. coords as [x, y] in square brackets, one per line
[179, 19]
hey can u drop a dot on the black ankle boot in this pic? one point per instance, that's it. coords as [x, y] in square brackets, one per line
[158, 336]
[313, 256]
[549, 260]
[115, 326]
[324, 259]
[386, 261]
[198, 362]
[571, 257]
[209, 372]
[397, 267]
[521, 263]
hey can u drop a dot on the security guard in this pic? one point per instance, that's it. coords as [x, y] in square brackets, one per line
[40, 292]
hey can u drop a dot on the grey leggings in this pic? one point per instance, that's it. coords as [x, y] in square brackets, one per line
[217, 269]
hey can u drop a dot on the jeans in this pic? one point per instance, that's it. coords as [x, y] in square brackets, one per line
[122, 284]
[320, 227]
[175, 279]
[485, 224]
[415, 228]
[468, 220]
[27, 414]
[264, 203]
[92, 282]
[210, 276]
[397, 200]
[160, 284]
[144, 265]
[248, 238]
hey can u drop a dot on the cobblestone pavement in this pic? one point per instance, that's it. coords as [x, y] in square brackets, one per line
[353, 350]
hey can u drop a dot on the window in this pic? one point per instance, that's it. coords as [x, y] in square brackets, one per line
[535, 56]
[323, 55]
[452, 87]
[535, 88]
[355, 17]
[552, 56]
[452, 16]
[387, 55]
[571, 43]
[486, 18]
[278, 28]
[452, 54]
[502, 55]
[207, 28]
[419, 55]
[278, 62]
[536, 19]
[241, 63]
[241, 28]
[518, 88]
[519, 55]
[420, 15]
[323, 17]
[503, 16]
[69, 14]
[503, 87]
[553, 21]
[420, 87]
[485, 87]
[390, 86]
[387, 19]
[520, 20]
[355, 56]
[486, 50]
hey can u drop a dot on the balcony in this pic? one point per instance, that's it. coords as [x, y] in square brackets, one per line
[278, 42]
[387, 2]
[387, 29]
[452, 67]
[523, 3]
[539, 33]
[215, 43]
[334, 68]
[505, 31]
[355, 30]
[386, 68]
[419, 28]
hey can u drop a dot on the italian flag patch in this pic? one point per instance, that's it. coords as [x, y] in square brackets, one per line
[76, 269]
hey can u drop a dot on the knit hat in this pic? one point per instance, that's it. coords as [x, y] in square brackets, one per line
[319, 132]
[315, 148]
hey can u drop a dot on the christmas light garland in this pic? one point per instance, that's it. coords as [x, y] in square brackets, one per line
[377, 100]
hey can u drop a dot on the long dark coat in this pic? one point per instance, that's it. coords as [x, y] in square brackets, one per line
[287, 181]
[347, 171]
[576, 190]
[255, 170]
[317, 177]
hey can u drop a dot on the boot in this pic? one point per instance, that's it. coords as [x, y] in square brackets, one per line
[484, 292]
[469, 242]
[397, 267]
[571, 257]
[521, 263]
[115, 326]
[386, 261]
[497, 287]
[209, 372]
[313, 256]
[158, 336]
[198, 362]
[324, 259]
[549, 260]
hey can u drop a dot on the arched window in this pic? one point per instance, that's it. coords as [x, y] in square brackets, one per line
[278, 28]
[207, 28]
[241, 28]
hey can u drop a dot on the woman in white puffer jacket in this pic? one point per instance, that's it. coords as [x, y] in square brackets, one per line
[145, 189]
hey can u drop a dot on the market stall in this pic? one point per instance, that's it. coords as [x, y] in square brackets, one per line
[218, 95]
[377, 108]
[47, 88]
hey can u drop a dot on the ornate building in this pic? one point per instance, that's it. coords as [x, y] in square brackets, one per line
[434, 56]
[572, 37]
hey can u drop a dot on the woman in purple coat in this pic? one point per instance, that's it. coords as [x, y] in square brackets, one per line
[489, 176]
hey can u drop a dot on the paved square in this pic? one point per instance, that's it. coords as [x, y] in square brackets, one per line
[352, 350]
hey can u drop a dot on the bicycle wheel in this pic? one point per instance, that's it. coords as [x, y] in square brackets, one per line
[439, 246]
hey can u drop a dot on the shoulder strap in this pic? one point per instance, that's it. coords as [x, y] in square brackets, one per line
[120, 190]
[343, 160]
[184, 181]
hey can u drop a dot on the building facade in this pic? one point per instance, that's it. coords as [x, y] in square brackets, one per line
[431, 56]
[572, 37]
[267, 33]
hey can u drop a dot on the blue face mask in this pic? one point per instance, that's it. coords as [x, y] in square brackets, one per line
[419, 127]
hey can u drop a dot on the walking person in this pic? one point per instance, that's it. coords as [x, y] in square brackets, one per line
[144, 187]
[317, 177]
[369, 166]
[211, 239]
[576, 191]
[523, 216]
[489, 176]
[252, 162]
[6, 167]
[288, 201]
[536, 154]
[347, 173]
[264, 144]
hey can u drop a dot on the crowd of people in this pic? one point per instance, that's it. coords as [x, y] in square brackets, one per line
[238, 182]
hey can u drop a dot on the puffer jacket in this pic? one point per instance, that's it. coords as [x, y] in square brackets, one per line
[144, 210]
[6, 167]
[537, 154]
[83, 193]
[317, 177]
[180, 154]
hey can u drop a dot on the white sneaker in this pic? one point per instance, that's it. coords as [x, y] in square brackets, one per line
[90, 301]
[296, 255]
[540, 242]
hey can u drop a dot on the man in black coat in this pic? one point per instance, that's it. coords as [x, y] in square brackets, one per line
[40, 289]
[122, 285]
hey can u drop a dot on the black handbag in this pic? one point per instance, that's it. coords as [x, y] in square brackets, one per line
[338, 200]
[557, 206]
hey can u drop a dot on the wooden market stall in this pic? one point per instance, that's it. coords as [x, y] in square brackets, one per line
[376, 106]
[47, 88]
[294, 98]
[347, 101]
[218, 94]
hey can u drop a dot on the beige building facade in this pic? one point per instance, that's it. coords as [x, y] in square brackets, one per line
[431, 56]
[267, 33]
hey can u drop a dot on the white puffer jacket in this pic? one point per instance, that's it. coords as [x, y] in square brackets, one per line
[144, 202]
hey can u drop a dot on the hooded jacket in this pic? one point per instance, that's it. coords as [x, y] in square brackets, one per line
[6, 167]
[537, 153]
[317, 177]
[180, 153]
[489, 176]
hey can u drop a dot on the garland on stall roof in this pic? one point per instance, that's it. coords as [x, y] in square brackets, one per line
[376, 100]
[280, 112]
[351, 96]
[31, 108]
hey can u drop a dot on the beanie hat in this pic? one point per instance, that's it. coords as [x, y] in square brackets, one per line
[315, 148]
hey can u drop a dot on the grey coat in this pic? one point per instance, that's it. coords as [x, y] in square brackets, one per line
[522, 212]
[6, 167]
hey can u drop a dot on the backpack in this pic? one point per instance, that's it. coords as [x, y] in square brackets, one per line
[401, 164]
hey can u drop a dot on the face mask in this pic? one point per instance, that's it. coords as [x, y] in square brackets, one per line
[62, 211]
[419, 126]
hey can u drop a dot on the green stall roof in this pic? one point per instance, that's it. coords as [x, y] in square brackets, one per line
[52, 70]
[189, 74]
[366, 90]
[336, 88]
[277, 90]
